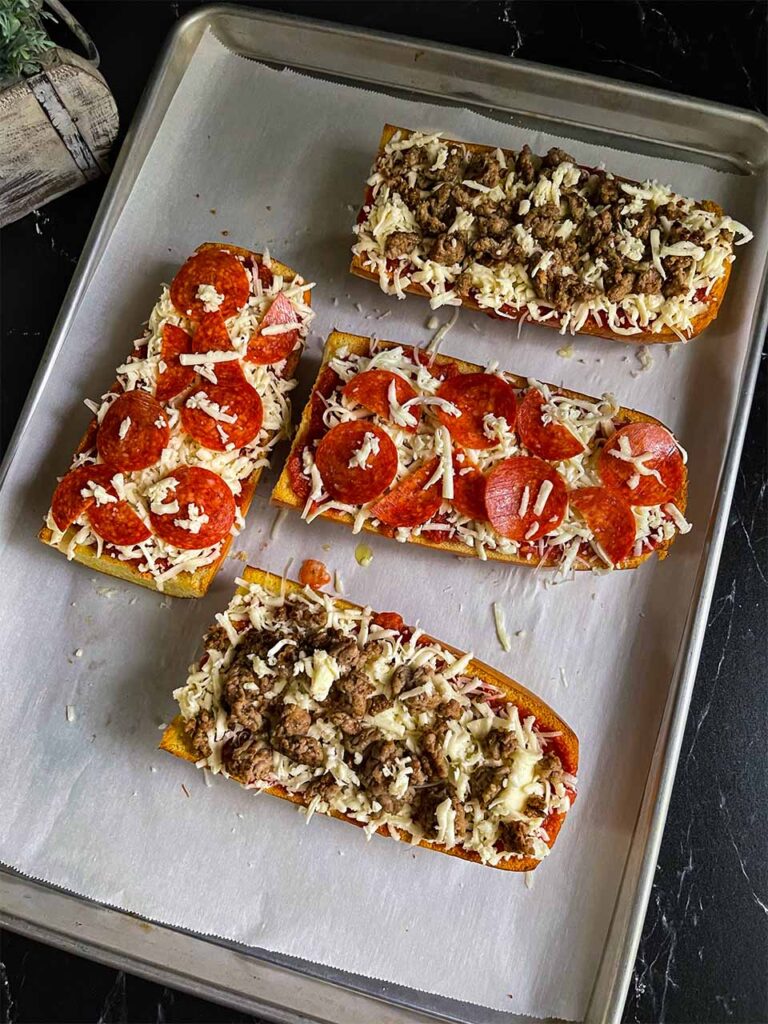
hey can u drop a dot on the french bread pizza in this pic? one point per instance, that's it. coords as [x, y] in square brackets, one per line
[353, 714]
[433, 450]
[162, 480]
[545, 240]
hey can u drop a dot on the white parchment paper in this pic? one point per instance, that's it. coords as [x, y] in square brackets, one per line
[273, 158]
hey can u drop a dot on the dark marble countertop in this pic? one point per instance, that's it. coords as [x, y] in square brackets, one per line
[704, 951]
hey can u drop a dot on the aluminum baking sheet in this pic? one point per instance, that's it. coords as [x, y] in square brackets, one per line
[121, 700]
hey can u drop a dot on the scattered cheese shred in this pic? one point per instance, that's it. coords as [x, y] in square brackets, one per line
[210, 298]
[524, 501]
[501, 629]
[541, 498]
[294, 325]
[441, 332]
[277, 521]
[446, 461]
[369, 447]
[207, 358]
[645, 359]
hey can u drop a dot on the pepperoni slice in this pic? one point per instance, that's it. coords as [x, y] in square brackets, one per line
[609, 518]
[388, 620]
[550, 441]
[175, 378]
[265, 275]
[273, 348]
[371, 390]
[199, 494]
[230, 373]
[665, 464]
[476, 395]
[327, 382]
[468, 490]
[433, 531]
[442, 369]
[207, 415]
[511, 494]
[299, 482]
[211, 334]
[218, 268]
[410, 503]
[353, 484]
[68, 502]
[117, 523]
[133, 433]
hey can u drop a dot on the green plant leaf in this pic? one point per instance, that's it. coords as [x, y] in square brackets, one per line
[23, 40]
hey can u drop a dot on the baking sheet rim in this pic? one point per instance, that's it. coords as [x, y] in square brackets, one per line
[617, 960]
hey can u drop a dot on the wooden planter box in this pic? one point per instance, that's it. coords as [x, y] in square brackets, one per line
[56, 130]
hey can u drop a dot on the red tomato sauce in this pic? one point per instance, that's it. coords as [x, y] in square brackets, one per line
[314, 574]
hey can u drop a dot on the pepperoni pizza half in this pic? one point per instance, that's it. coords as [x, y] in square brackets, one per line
[162, 479]
[432, 450]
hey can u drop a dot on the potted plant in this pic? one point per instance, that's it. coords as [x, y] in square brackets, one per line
[59, 118]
